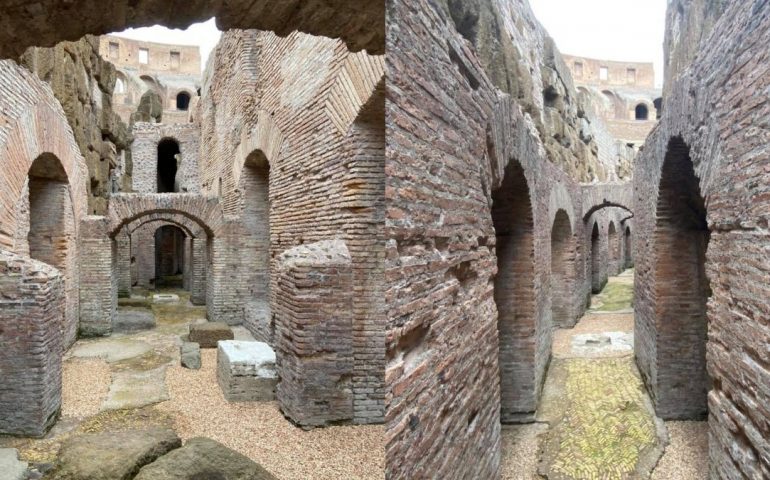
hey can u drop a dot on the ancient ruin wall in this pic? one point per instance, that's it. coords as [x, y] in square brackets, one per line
[454, 141]
[144, 153]
[714, 113]
[324, 180]
[83, 83]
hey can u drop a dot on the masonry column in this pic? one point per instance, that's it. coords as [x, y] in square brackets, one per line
[314, 333]
[98, 285]
[123, 241]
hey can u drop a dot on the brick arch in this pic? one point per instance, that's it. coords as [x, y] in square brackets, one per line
[564, 252]
[514, 292]
[190, 227]
[203, 211]
[265, 138]
[361, 25]
[598, 197]
[359, 79]
[32, 123]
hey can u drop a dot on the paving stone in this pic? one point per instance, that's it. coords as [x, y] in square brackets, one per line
[132, 389]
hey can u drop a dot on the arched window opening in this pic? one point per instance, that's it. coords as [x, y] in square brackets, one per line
[681, 288]
[169, 159]
[597, 279]
[120, 86]
[562, 271]
[642, 113]
[520, 369]
[182, 101]
[170, 250]
[658, 102]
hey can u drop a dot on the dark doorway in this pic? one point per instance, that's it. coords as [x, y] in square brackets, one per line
[182, 101]
[168, 160]
[642, 112]
[169, 256]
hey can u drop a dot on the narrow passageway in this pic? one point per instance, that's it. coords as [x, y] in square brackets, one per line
[595, 418]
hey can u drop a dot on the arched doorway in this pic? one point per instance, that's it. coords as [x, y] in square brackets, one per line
[612, 250]
[182, 101]
[562, 271]
[254, 185]
[597, 280]
[629, 259]
[170, 256]
[514, 294]
[681, 288]
[168, 165]
[642, 112]
[51, 237]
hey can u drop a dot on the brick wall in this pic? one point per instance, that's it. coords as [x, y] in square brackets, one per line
[325, 181]
[712, 113]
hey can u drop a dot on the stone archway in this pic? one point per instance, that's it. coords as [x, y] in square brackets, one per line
[679, 381]
[563, 278]
[514, 293]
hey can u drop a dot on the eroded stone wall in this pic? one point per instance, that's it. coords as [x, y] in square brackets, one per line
[83, 84]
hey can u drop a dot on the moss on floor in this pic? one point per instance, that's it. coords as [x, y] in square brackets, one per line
[605, 424]
[617, 295]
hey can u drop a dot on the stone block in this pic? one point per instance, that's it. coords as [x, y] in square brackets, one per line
[165, 298]
[246, 371]
[208, 334]
[190, 353]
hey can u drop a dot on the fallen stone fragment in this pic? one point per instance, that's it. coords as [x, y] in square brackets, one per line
[133, 319]
[112, 455]
[203, 458]
[190, 354]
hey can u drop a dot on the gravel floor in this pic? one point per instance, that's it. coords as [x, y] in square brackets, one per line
[686, 457]
[259, 431]
[520, 450]
[85, 383]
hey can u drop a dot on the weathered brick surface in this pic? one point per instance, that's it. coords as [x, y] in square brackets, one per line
[32, 304]
[144, 154]
[711, 143]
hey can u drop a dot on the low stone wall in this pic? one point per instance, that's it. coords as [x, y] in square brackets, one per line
[31, 314]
